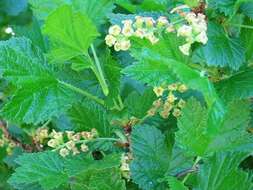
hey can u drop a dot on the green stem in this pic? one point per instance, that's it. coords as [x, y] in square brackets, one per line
[193, 166]
[82, 92]
[85, 141]
[99, 73]
[241, 25]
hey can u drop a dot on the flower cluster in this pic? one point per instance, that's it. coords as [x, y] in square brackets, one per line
[168, 102]
[5, 142]
[142, 27]
[69, 141]
[124, 168]
[41, 135]
[194, 31]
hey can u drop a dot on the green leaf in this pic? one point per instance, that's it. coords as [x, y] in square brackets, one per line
[39, 95]
[33, 32]
[96, 10]
[154, 5]
[151, 157]
[90, 174]
[42, 8]
[164, 54]
[106, 179]
[175, 184]
[45, 168]
[138, 104]
[246, 36]
[81, 164]
[70, 33]
[87, 116]
[224, 6]
[198, 136]
[247, 9]
[221, 50]
[238, 86]
[192, 134]
[220, 172]
[13, 7]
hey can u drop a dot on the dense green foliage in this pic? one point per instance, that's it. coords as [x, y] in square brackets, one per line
[88, 105]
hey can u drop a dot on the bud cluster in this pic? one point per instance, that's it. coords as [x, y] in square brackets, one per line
[142, 27]
[193, 28]
[8, 144]
[70, 142]
[124, 168]
[168, 102]
[194, 31]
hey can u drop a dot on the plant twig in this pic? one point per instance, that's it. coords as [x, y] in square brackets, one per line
[7, 135]
[193, 168]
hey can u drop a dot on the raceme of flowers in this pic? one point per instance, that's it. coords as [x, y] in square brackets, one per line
[168, 102]
[193, 30]
[5, 142]
[66, 142]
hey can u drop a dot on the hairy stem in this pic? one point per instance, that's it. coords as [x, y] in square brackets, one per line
[82, 92]
[86, 141]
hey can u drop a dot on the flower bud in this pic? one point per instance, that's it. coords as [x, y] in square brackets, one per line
[158, 91]
[149, 21]
[172, 87]
[176, 112]
[185, 31]
[182, 88]
[125, 45]
[181, 103]
[151, 37]
[140, 33]
[52, 143]
[84, 148]
[70, 145]
[139, 20]
[185, 49]
[110, 40]
[115, 30]
[202, 38]
[162, 21]
[64, 152]
[127, 31]
[117, 46]
[171, 98]
[2, 143]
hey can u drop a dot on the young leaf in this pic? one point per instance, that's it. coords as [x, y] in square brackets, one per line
[70, 33]
[151, 157]
[45, 168]
[221, 172]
